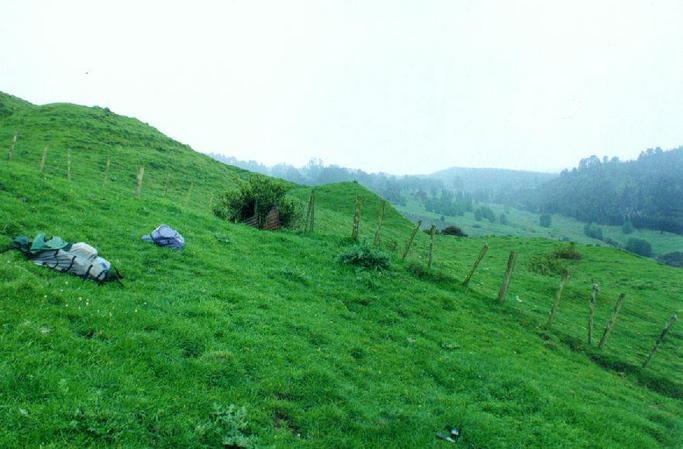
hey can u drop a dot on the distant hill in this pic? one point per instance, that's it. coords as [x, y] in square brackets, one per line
[492, 181]
[647, 191]
[484, 184]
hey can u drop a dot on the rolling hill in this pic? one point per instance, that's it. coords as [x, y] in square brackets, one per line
[318, 354]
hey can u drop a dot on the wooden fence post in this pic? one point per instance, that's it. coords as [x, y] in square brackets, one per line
[432, 231]
[68, 164]
[356, 220]
[11, 148]
[612, 320]
[482, 253]
[43, 159]
[506, 278]
[668, 325]
[138, 185]
[310, 213]
[591, 312]
[106, 169]
[409, 243]
[558, 298]
[380, 218]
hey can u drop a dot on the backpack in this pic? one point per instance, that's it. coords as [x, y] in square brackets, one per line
[165, 235]
[79, 258]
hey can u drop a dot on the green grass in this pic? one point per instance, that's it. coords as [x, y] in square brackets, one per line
[523, 223]
[320, 354]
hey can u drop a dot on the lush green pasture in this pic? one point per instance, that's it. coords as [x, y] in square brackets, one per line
[523, 223]
[321, 355]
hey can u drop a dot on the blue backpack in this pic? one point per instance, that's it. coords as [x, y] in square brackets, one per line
[166, 236]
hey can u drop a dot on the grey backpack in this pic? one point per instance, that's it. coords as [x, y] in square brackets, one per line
[165, 235]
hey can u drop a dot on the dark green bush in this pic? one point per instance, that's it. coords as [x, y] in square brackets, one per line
[674, 259]
[593, 231]
[627, 227]
[568, 252]
[257, 197]
[546, 264]
[639, 246]
[365, 256]
[453, 230]
[545, 220]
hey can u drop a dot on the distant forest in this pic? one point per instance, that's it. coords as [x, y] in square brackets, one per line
[646, 192]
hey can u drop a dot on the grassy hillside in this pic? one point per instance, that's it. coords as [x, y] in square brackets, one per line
[523, 223]
[319, 354]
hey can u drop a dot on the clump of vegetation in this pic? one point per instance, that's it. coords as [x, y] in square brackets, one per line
[639, 246]
[365, 256]
[593, 231]
[227, 427]
[568, 252]
[554, 262]
[420, 271]
[503, 219]
[627, 227]
[453, 230]
[485, 212]
[674, 259]
[257, 197]
[545, 220]
[546, 264]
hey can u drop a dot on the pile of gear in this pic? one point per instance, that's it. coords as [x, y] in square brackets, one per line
[82, 259]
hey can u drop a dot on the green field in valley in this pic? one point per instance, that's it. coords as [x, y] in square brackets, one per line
[318, 354]
[522, 223]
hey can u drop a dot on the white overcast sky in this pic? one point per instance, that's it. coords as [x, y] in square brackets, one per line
[396, 86]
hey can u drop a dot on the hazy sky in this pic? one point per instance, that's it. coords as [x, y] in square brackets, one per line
[397, 86]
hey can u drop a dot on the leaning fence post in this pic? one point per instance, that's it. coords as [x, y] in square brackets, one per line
[43, 159]
[409, 243]
[106, 169]
[11, 148]
[310, 213]
[356, 220]
[68, 164]
[432, 231]
[612, 320]
[558, 298]
[380, 218]
[482, 253]
[506, 278]
[668, 325]
[138, 185]
[591, 312]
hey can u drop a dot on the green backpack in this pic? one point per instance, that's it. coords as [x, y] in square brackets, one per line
[79, 258]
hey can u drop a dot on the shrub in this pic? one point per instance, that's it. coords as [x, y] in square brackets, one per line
[546, 264]
[674, 259]
[453, 230]
[503, 219]
[593, 231]
[568, 252]
[257, 197]
[627, 227]
[364, 256]
[639, 246]
[545, 220]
